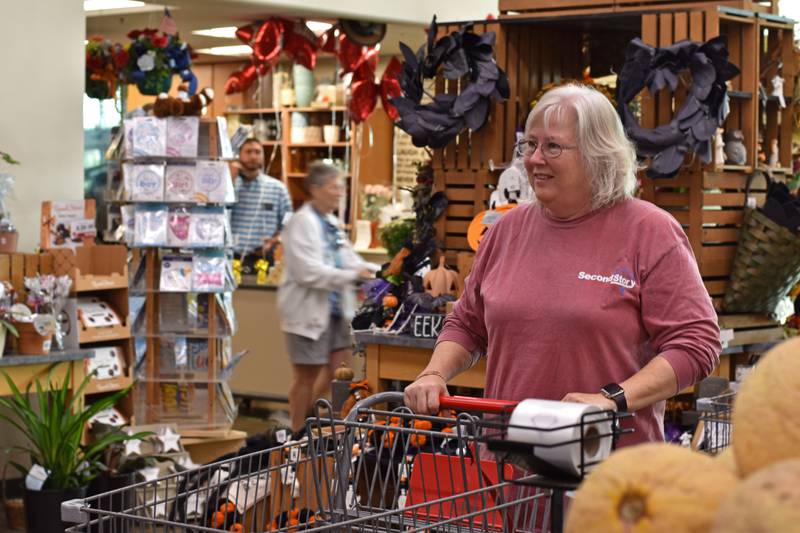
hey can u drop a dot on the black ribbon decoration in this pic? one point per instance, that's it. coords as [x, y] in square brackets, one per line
[462, 53]
[703, 111]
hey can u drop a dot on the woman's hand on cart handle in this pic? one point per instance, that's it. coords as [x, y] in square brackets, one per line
[594, 399]
[423, 395]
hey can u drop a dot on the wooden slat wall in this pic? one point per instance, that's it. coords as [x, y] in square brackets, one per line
[16, 267]
[463, 168]
[706, 200]
[510, 8]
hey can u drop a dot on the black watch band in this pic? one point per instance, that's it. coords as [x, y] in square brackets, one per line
[614, 392]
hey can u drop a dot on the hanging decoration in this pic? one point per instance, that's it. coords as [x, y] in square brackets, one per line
[268, 39]
[154, 58]
[461, 54]
[364, 91]
[704, 109]
[105, 64]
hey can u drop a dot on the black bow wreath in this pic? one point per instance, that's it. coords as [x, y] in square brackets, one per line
[702, 112]
[462, 53]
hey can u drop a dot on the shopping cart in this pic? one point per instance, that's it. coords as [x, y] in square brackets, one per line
[715, 414]
[376, 470]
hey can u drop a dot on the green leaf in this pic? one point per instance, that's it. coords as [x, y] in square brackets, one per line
[8, 159]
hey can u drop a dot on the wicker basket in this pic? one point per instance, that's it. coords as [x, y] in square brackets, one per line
[766, 266]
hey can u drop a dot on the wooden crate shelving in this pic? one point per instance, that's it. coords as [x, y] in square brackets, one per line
[708, 199]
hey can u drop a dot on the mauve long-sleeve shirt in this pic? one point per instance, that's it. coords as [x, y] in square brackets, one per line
[569, 306]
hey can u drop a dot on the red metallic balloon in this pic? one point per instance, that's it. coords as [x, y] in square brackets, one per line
[267, 42]
[363, 96]
[390, 87]
[245, 33]
[300, 43]
[327, 41]
[240, 80]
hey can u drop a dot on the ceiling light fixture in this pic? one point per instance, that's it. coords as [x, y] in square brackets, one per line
[317, 26]
[224, 32]
[235, 50]
[104, 5]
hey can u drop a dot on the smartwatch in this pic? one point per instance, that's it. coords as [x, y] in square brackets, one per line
[614, 392]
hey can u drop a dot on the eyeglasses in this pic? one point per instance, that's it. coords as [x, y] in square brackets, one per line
[550, 150]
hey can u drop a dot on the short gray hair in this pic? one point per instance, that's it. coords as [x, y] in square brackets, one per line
[319, 173]
[609, 157]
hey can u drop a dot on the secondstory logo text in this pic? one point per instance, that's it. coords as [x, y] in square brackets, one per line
[613, 279]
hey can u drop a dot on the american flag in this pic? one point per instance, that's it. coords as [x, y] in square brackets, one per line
[168, 25]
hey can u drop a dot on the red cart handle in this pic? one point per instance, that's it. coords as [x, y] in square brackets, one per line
[484, 405]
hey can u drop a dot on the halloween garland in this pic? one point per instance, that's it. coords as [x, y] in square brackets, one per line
[461, 54]
[703, 111]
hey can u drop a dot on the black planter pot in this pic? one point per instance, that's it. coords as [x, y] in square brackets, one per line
[43, 509]
[117, 502]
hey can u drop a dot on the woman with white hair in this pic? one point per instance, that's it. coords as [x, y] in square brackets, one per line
[316, 298]
[586, 295]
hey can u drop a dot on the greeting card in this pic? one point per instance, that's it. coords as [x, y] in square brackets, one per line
[182, 133]
[179, 183]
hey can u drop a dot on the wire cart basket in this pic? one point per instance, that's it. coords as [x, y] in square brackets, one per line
[376, 471]
[716, 417]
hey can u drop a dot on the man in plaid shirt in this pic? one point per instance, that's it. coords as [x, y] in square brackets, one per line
[262, 203]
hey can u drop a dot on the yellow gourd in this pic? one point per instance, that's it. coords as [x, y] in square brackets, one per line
[441, 280]
[650, 488]
[766, 418]
[769, 500]
[343, 373]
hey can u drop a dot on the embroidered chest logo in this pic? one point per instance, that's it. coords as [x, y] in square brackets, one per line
[623, 277]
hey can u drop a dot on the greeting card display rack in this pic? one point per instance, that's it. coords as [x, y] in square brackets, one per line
[172, 181]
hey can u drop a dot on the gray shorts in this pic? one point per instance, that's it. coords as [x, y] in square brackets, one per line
[306, 351]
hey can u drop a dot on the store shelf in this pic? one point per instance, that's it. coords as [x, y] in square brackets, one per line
[266, 110]
[97, 386]
[251, 111]
[105, 334]
[737, 168]
[780, 170]
[91, 283]
[304, 174]
[319, 145]
[339, 109]
[740, 94]
[15, 359]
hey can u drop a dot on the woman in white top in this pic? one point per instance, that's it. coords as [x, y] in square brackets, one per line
[317, 298]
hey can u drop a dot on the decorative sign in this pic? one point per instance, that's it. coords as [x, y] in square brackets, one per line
[406, 158]
[67, 224]
[426, 325]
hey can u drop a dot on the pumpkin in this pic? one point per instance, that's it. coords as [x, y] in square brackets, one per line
[769, 500]
[343, 373]
[441, 280]
[766, 420]
[390, 301]
[651, 487]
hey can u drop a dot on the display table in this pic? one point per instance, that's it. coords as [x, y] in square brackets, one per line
[265, 372]
[26, 369]
[400, 357]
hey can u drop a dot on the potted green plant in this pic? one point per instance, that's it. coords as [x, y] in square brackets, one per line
[53, 425]
[395, 234]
